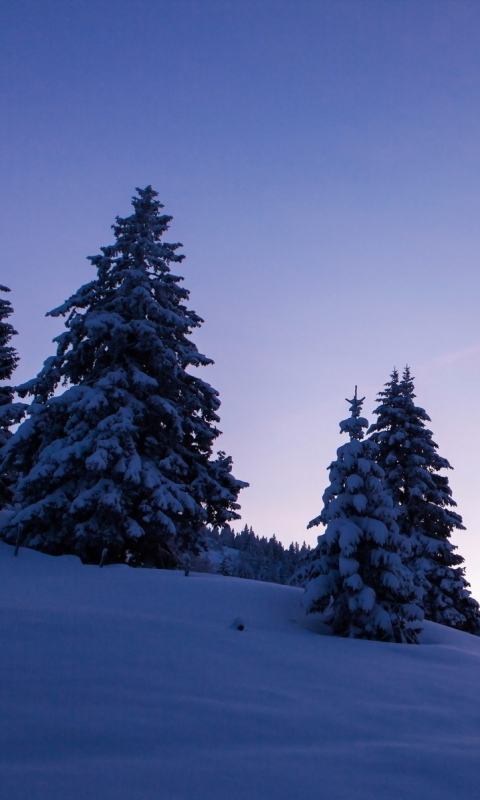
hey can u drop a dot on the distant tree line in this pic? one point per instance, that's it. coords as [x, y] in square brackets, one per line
[246, 555]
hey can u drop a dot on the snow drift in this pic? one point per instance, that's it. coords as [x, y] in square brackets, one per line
[120, 683]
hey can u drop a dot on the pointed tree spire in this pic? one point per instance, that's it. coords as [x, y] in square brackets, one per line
[356, 577]
[413, 467]
[119, 467]
[355, 424]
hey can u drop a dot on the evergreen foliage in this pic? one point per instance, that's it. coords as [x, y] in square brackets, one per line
[226, 566]
[247, 555]
[409, 457]
[10, 412]
[122, 460]
[356, 577]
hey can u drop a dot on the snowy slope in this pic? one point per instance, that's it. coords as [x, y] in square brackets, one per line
[122, 683]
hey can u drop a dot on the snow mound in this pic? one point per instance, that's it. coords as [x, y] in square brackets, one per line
[120, 683]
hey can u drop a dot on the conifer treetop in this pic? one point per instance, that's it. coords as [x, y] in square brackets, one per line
[134, 288]
[355, 424]
[408, 453]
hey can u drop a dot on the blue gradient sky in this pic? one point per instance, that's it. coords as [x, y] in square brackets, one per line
[322, 163]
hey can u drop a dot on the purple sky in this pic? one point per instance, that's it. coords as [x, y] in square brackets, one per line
[322, 164]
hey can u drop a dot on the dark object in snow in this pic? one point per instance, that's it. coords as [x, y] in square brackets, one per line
[186, 564]
[103, 557]
[239, 624]
[124, 457]
[18, 540]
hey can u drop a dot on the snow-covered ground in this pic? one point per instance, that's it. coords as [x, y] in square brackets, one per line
[120, 683]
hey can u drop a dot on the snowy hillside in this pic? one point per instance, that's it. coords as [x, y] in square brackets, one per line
[120, 683]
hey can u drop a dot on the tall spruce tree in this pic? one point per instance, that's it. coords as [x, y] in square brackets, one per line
[10, 412]
[356, 577]
[412, 466]
[119, 467]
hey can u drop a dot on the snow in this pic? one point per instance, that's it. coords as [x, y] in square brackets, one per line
[133, 683]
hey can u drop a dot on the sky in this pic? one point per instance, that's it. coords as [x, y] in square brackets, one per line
[321, 161]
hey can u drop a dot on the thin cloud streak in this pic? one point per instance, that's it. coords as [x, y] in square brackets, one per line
[448, 359]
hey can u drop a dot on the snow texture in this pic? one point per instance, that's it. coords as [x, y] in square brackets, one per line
[126, 684]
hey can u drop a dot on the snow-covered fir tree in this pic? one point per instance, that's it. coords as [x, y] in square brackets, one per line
[10, 412]
[356, 577]
[412, 468]
[121, 462]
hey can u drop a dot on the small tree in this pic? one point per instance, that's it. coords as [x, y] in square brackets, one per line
[10, 412]
[356, 577]
[226, 566]
[412, 465]
[121, 462]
